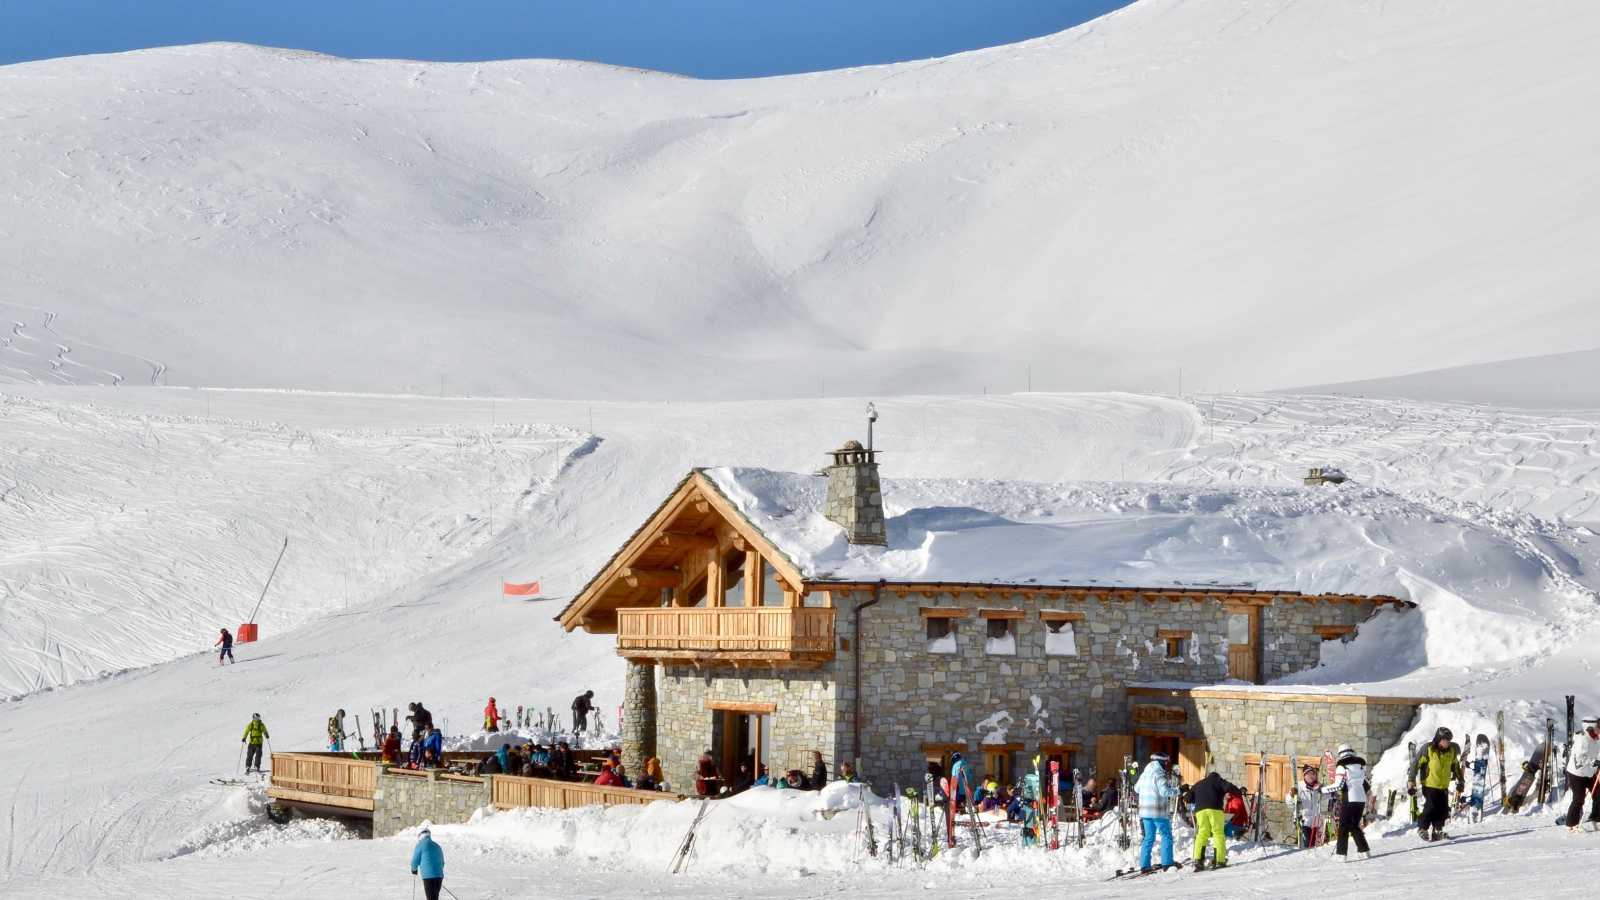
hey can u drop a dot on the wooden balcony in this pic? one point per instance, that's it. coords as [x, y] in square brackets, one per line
[737, 636]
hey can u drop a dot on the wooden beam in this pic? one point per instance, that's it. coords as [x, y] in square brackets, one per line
[656, 578]
[992, 613]
[737, 706]
[1061, 615]
[1180, 635]
[678, 540]
[944, 612]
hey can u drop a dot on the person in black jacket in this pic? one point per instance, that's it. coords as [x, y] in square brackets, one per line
[819, 772]
[582, 705]
[1210, 796]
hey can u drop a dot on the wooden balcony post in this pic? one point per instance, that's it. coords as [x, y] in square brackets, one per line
[752, 578]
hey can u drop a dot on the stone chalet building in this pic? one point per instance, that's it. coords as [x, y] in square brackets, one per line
[738, 642]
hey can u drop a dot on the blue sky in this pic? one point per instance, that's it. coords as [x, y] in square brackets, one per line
[706, 39]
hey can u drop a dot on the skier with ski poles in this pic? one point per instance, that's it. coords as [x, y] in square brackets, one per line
[1209, 796]
[226, 643]
[1583, 764]
[427, 861]
[1154, 790]
[254, 734]
[1352, 786]
[1436, 765]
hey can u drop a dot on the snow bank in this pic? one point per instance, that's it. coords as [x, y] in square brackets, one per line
[239, 824]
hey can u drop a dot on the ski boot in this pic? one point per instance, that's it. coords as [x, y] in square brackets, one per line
[1362, 854]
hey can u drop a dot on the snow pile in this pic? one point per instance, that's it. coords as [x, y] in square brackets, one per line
[1483, 597]
[239, 824]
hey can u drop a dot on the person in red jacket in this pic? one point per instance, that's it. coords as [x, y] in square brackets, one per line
[607, 776]
[491, 717]
[1238, 816]
[391, 745]
[705, 782]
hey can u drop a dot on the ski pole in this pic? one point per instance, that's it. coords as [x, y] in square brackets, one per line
[239, 766]
[414, 885]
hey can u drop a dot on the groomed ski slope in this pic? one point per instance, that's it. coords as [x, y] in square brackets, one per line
[142, 745]
[1268, 193]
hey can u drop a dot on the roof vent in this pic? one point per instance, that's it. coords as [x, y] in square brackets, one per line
[855, 502]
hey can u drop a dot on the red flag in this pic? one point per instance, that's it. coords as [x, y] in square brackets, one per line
[531, 589]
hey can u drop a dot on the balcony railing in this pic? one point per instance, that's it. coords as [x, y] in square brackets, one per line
[758, 633]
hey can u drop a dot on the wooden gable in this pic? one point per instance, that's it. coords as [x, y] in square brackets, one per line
[693, 530]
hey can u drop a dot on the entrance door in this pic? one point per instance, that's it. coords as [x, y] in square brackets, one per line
[1244, 643]
[741, 739]
[1109, 749]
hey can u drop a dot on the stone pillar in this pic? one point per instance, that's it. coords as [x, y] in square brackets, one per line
[639, 717]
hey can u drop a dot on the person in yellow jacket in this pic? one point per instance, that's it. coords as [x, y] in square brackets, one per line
[1436, 766]
[254, 734]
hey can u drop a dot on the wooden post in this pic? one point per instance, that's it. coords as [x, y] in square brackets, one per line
[752, 578]
[714, 581]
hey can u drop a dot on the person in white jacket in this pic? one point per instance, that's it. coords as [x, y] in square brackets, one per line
[1583, 761]
[1305, 798]
[1351, 784]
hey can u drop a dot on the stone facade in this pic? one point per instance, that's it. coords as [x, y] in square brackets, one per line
[639, 717]
[809, 714]
[1280, 724]
[402, 801]
[1011, 692]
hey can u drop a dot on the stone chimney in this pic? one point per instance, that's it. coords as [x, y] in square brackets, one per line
[855, 502]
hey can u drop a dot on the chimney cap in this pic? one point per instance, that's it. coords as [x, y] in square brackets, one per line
[851, 445]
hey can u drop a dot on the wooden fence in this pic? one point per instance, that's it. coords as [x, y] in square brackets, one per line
[513, 791]
[323, 778]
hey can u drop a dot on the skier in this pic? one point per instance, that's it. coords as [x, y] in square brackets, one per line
[427, 860]
[1351, 785]
[226, 642]
[960, 778]
[433, 749]
[1436, 765]
[1583, 762]
[491, 717]
[336, 733]
[391, 745]
[1154, 790]
[1306, 798]
[254, 734]
[1209, 796]
[421, 721]
[582, 705]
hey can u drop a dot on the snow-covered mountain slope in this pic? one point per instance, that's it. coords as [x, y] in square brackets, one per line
[1566, 381]
[1264, 192]
[144, 742]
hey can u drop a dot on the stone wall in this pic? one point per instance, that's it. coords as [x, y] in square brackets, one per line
[1278, 723]
[810, 713]
[402, 801]
[913, 696]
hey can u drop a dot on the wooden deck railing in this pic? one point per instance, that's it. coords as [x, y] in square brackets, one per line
[750, 629]
[513, 791]
[323, 778]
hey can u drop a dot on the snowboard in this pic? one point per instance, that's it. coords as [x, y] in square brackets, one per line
[1480, 777]
[1530, 773]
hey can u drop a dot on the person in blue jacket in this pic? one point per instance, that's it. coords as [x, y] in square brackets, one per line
[428, 861]
[433, 749]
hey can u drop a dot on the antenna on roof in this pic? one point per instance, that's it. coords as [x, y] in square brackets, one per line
[872, 416]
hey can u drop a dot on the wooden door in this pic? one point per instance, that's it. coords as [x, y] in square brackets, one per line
[1280, 775]
[1244, 643]
[1191, 760]
[1109, 749]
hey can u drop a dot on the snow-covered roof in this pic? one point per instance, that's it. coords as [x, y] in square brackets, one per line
[1327, 540]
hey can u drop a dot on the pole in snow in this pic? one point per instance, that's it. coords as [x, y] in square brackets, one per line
[269, 580]
[872, 416]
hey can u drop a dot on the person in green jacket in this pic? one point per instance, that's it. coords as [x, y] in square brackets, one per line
[1435, 767]
[254, 734]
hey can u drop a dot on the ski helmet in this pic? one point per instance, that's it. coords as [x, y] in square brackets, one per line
[255, 715]
[1345, 750]
[1158, 757]
[1443, 734]
[1590, 722]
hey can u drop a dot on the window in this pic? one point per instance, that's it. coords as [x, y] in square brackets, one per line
[697, 594]
[1001, 641]
[1059, 639]
[941, 635]
[771, 587]
[1239, 628]
[1177, 643]
[733, 579]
